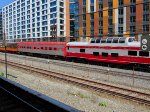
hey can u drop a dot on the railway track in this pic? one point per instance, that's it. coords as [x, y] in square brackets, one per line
[129, 94]
[104, 70]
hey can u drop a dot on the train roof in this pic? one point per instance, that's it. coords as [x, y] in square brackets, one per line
[110, 41]
[41, 43]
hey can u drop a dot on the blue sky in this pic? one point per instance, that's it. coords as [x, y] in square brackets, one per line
[4, 2]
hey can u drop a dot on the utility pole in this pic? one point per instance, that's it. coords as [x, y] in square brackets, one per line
[5, 44]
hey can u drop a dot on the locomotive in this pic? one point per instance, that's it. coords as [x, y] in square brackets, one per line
[118, 50]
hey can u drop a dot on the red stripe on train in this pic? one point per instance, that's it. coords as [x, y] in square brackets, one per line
[119, 59]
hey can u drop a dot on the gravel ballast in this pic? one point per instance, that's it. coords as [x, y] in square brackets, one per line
[69, 94]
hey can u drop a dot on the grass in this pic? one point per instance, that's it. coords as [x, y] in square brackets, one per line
[79, 94]
[103, 104]
[1, 74]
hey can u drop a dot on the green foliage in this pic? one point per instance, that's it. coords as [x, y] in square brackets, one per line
[1, 74]
[103, 104]
[79, 94]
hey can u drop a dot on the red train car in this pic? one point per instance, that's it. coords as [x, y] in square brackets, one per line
[49, 48]
[111, 50]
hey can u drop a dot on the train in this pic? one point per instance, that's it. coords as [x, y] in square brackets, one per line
[118, 50]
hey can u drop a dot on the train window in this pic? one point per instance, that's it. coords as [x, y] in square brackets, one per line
[109, 40]
[103, 40]
[144, 53]
[92, 40]
[45, 48]
[55, 49]
[41, 47]
[98, 40]
[122, 40]
[114, 54]
[96, 53]
[131, 40]
[82, 50]
[50, 48]
[115, 40]
[132, 53]
[104, 54]
[34, 47]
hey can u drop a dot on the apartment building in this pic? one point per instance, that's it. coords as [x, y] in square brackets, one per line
[1, 26]
[102, 18]
[36, 20]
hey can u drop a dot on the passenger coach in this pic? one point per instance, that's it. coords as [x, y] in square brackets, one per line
[112, 50]
[48, 48]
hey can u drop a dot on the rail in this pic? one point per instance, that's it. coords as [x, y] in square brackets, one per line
[130, 94]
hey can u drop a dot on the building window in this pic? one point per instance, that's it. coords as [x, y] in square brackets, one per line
[110, 4]
[92, 16]
[132, 1]
[61, 4]
[100, 23]
[101, 14]
[100, 31]
[120, 11]
[132, 28]
[100, 6]
[146, 7]
[92, 8]
[132, 9]
[110, 12]
[120, 2]
[132, 18]
[120, 20]
[110, 22]
[145, 28]
[110, 30]
[61, 9]
[146, 17]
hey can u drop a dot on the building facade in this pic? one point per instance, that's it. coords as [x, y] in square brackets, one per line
[1, 26]
[102, 18]
[36, 20]
[72, 19]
